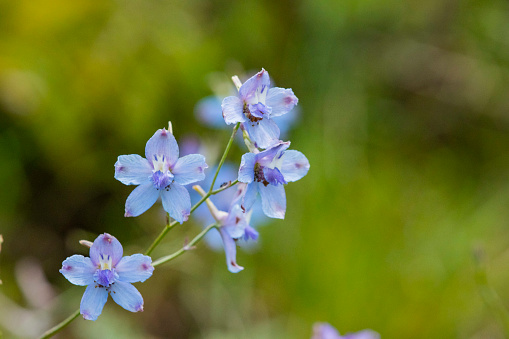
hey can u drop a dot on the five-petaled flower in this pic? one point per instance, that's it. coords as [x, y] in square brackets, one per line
[255, 106]
[266, 172]
[326, 331]
[107, 272]
[162, 174]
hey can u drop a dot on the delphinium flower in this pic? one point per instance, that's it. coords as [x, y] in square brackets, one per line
[208, 111]
[232, 225]
[266, 173]
[162, 174]
[326, 331]
[107, 272]
[256, 105]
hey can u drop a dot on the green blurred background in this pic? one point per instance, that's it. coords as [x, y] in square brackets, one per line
[404, 119]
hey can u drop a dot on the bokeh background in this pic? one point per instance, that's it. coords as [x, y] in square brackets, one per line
[404, 117]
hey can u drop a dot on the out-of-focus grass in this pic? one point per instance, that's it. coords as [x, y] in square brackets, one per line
[404, 121]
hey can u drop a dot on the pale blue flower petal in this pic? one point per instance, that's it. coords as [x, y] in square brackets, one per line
[230, 249]
[132, 169]
[281, 100]
[79, 270]
[257, 83]
[250, 196]
[295, 165]
[134, 268]
[273, 201]
[246, 169]
[325, 331]
[176, 202]
[189, 169]
[141, 199]
[93, 301]
[235, 222]
[266, 157]
[127, 296]
[162, 143]
[264, 132]
[106, 246]
[233, 110]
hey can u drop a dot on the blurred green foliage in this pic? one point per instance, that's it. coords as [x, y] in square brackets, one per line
[405, 121]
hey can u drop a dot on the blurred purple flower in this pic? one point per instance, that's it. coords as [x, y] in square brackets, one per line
[162, 174]
[255, 106]
[266, 172]
[326, 331]
[107, 272]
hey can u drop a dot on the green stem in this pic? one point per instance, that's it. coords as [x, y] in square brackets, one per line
[52, 331]
[160, 237]
[185, 248]
[223, 158]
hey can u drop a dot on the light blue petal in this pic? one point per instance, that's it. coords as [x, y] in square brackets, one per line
[235, 222]
[281, 100]
[127, 296]
[106, 245]
[257, 83]
[264, 132]
[246, 169]
[177, 202]
[79, 270]
[233, 110]
[135, 268]
[132, 169]
[230, 249]
[273, 201]
[141, 199]
[266, 157]
[295, 165]
[162, 143]
[189, 169]
[93, 301]
[251, 194]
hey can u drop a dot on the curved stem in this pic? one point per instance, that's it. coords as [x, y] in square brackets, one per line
[223, 158]
[52, 331]
[185, 248]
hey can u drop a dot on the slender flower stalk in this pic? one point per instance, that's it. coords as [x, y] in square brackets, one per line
[54, 330]
[223, 158]
[187, 247]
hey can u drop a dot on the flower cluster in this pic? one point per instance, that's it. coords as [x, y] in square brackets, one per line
[163, 175]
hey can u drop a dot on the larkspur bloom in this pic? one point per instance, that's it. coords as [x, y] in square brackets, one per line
[266, 173]
[232, 225]
[107, 272]
[256, 105]
[326, 331]
[162, 174]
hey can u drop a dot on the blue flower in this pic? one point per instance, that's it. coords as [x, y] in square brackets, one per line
[266, 173]
[107, 272]
[326, 331]
[255, 106]
[162, 174]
